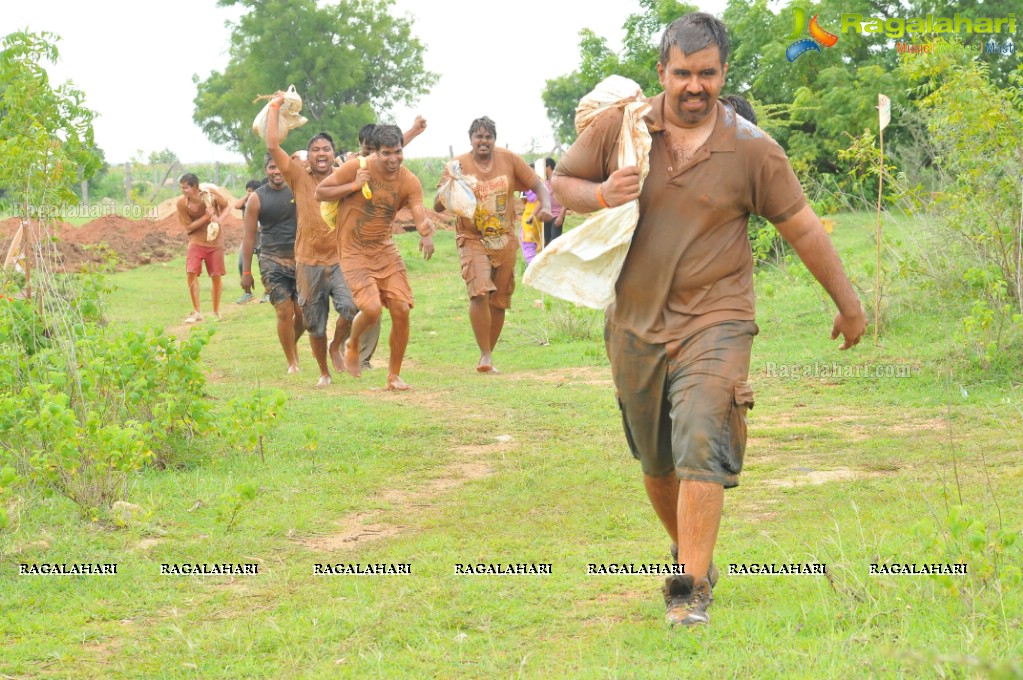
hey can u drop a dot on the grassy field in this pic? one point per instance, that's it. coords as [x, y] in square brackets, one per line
[848, 464]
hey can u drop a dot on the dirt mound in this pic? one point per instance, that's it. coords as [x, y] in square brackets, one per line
[139, 242]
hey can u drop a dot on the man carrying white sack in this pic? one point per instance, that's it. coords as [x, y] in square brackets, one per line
[681, 329]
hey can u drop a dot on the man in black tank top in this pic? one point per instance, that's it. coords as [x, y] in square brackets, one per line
[270, 211]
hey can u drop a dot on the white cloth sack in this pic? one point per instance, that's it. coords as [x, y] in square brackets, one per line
[456, 193]
[206, 193]
[288, 117]
[582, 265]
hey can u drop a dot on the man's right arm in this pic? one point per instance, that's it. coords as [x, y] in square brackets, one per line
[191, 226]
[250, 225]
[273, 135]
[584, 196]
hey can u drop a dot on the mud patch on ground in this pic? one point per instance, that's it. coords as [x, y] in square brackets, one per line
[814, 477]
[585, 375]
[362, 527]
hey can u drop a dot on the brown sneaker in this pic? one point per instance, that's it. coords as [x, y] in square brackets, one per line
[712, 571]
[687, 600]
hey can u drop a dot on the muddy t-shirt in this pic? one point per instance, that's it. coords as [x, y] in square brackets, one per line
[190, 213]
[364, 236]
[494, 222]
[278, 222]
[690, 264]
[315, 243]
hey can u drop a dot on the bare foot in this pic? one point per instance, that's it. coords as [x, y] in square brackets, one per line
[486, 365]
[337, 360]
[352, 363]
[293, 369]
[490, 371]
[394, 382]
[324, 381]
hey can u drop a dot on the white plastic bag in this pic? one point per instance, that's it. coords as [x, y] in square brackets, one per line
[288, 118]
[207, 192]
[582, 265]
[456, 193]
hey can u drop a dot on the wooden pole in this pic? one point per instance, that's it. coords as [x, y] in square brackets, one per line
[877, 272]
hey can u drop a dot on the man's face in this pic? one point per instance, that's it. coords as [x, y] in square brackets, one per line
[691, 84]
[321, 155]
[189, 191]
[389, 158]
[364, 149]
[482, 143]
[274, 176]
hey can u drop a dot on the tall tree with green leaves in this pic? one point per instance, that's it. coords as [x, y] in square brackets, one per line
[638, 61]
[46, 137]
[350, 61]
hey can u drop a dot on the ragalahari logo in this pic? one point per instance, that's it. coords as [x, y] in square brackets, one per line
[818, 36]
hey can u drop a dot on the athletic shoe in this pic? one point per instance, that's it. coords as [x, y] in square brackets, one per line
[265, 298]
[244, 298]
[194, 317]
[712, 571]
[366, 366]
[686, 600]
[217, 317]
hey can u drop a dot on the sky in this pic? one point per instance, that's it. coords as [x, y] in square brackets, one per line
[135, 66]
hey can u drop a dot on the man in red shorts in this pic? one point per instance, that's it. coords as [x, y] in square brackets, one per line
[680, 331]
[487, 244]
[369, 257]
[195, 216]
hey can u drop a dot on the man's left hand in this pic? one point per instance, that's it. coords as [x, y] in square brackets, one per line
[849, 327]
[426, 247]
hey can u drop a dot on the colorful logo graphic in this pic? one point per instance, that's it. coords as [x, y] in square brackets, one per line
[818, 36]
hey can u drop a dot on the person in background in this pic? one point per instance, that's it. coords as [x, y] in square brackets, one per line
[529, 234]
[196, 209]
[552, 228]
[486, 242]
[240, 204]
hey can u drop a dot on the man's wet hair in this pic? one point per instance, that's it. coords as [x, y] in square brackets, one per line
[692, 32]
[486, 124]
[319, 135]
[253, 184]
[267, 159]
[386, 135]
[189, 178]
[550, 162]
[365, 132]
[741, 106]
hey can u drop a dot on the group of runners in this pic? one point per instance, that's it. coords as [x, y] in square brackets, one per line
[678, 336]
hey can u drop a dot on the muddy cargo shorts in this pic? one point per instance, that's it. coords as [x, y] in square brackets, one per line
[488, 271]
[278, 276]
[684, 403]
[317, 286]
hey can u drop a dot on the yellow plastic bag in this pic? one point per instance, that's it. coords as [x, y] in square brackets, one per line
[328, 209]
[582, 265]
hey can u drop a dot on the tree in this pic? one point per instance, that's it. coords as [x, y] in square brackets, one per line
[597, 61]
[46, 137]
[350, 62]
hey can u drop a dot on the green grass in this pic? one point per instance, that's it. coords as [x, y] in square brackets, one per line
[531, 466]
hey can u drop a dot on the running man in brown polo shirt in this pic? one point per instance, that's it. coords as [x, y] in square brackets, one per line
[680, 331]
[318, 277]
[487, 244]
[195, 217]
[370, 259]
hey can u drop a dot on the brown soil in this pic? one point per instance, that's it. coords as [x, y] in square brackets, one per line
[139, 242]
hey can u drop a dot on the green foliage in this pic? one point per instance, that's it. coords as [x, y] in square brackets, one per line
[46, 138]
[991, 552]
[231, 503]
[349, 61]
[638, 61]
[428, 170]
